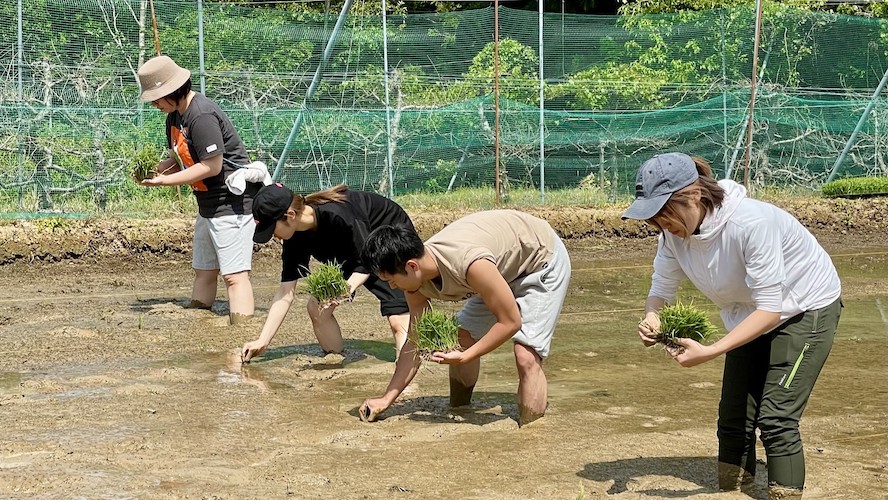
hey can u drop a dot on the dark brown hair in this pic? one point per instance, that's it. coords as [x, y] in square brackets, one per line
[335, 194]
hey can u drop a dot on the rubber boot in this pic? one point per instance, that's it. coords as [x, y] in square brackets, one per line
[731, 477]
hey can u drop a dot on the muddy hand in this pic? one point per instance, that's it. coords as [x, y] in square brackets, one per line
[367, 412]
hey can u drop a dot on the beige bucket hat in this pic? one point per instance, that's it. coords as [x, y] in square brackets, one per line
[159, 77]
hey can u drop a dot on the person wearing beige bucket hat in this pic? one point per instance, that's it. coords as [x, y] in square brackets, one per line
[205, 149]
[780, 300]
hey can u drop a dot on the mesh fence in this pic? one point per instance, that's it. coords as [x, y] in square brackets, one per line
[616, 90]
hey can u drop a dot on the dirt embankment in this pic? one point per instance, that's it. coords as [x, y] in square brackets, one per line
[48, 240]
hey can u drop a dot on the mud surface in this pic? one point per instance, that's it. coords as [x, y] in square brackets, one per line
[111, 388]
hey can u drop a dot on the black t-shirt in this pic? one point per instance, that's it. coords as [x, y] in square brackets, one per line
[208, 132]
[342, 230]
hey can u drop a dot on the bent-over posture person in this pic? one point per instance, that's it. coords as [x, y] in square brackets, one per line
[330, 226]
[512, 268]
[779, 296]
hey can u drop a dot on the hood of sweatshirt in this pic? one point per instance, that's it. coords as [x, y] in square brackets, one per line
[714, 222]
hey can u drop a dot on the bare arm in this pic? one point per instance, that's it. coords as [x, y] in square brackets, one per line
[199, 171]
[405, 368]
[280, 305]
[484, 277]
[756, 324]
[356, 280]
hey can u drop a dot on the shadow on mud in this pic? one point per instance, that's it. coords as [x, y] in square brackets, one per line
[487, 408]
[700, 474]
[355, 350]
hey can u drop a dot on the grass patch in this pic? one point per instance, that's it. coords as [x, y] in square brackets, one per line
[855, 186]
[683, 321]
[327, 285]
[484, 198]
[436, 331]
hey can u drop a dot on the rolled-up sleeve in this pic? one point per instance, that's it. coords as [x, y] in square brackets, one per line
[668, 274]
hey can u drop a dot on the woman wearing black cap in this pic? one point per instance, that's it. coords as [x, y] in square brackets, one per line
[779, 296]
[204, 150]
[330, 226]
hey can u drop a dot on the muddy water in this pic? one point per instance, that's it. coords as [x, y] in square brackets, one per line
[110, 388]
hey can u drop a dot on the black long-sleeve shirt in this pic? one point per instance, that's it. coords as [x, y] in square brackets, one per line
[342, 229]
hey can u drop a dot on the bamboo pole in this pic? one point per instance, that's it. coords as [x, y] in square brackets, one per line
[758, 31]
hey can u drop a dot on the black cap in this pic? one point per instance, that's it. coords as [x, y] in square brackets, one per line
[269, 206]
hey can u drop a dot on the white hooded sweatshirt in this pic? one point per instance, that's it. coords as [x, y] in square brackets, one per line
[748, 255]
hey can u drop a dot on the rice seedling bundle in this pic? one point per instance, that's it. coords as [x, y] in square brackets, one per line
[683, 321]
[327, 285]
[144, 162]
[436, 331]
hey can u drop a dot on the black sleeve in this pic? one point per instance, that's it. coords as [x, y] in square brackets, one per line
[294, 259]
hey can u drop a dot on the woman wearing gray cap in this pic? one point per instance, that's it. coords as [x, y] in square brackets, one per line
[204, 150]
[779, 296]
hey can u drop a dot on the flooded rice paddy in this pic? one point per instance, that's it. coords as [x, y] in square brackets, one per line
[109, 388]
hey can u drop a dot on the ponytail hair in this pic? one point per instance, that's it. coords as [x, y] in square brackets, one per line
[335, 194]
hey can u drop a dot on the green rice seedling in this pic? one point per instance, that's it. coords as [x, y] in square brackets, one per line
[327, 285]
[855, 187]
[144, 162]
[683, 321]
[436, 331]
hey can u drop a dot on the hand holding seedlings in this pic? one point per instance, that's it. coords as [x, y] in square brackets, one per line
[327, 285]
[436, 335]
[673, 324]
[648, 327]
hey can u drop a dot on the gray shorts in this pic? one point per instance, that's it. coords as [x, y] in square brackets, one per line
[224, 243]
[540, 296]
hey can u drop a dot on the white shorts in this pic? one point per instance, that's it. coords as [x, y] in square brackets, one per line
[540, 296]
[224, 243]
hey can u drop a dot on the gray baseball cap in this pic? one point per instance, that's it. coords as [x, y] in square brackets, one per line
[657, 179]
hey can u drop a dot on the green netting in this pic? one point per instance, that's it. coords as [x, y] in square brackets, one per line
[616, 90]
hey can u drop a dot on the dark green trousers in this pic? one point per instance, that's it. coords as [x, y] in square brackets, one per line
[766, 385]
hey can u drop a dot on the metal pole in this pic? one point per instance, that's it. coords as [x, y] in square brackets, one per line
[739, 142]
[758, 30]
[542, 114]
[21, 98]
[724, 92]
[200, 46]
[328, 50]
[388, 122]
[496, 130]
[858, 128]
